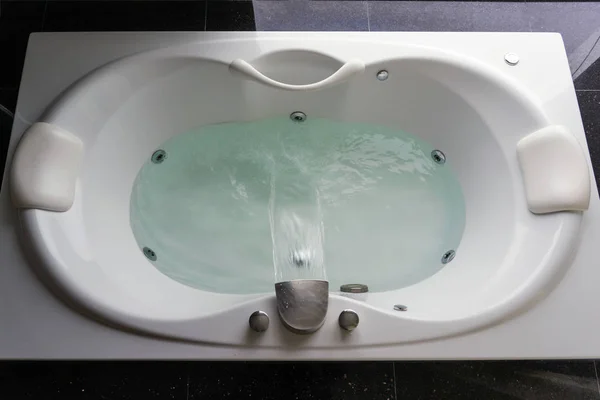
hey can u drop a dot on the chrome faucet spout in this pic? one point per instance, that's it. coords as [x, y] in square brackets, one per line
[302, 304]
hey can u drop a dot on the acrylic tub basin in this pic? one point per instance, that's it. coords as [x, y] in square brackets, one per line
[74, 171]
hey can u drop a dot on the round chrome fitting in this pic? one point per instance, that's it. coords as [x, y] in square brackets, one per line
[438, 157]
[382, 75]
[354, 288]
[448, 256]
[348, 320]
[298, 116]
[149, 253]
[511, 59]
[259, 321]
[158, 156]
[400, 307]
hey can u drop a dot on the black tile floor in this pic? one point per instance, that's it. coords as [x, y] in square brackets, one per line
[274, 381]
[579, 23]
[101, 380]
[501, 380]
[230, 16]
[124, 16]
[485, 380]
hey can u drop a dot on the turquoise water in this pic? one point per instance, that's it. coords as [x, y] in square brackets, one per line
[236, 207]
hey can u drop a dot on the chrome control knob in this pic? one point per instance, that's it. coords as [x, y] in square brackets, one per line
[259, 321]
[348, 320]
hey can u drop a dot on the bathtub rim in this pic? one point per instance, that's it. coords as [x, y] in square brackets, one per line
[28, 217]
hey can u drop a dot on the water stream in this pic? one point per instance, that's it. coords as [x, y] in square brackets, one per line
[296, 220]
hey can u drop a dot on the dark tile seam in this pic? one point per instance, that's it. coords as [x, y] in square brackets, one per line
[44, 16]
[394, 379]
[368, 16]
[187, 383]
[205, 14]
[596, 372]
[588, 54]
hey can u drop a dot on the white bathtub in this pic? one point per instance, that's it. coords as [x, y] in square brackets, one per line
[72, 180]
